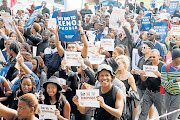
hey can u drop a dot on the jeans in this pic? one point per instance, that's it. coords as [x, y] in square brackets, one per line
[172, 103]
[148, 99]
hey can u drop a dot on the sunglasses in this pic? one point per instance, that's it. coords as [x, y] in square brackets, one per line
[145, 47]
[150, 34]
[152, 57]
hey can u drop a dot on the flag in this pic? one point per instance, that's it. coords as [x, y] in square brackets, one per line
[13, 2]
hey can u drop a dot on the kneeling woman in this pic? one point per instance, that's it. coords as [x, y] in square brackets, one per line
[27, 105]
[110, 97]
[53, 96]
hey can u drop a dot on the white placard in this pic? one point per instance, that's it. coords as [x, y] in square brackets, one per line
[17, 65]
[92, 49]
[88, 98]
[96, 59]
[116, 16]
[47, 112]
[107, 44]
[62, 82]
[34, 51]
[91, 36]
[52, 23]
[175, 30]
[164, 16]
[149, 70]
[135, 58]
[175, 19]
[2, 57]
[72, 58]
[7, 20]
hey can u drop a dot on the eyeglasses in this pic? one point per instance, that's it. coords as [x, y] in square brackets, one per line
[150, 34]
[152, 57]
[145, 47]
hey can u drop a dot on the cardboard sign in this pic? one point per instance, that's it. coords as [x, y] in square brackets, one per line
[92, 49]
[135, 58]
[175, 30]
[47, 112]
[91, 36]
[88, 98]
[96, 59]
[149, 70]
[72, 58]
[7, 20]
[52, 23]
[62, 82]
[146, 22]
[107, 44]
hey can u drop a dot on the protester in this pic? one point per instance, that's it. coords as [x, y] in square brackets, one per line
[4, 7]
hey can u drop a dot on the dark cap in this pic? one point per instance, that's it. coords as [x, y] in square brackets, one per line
[175, 52]
[53, 79]
[4, 0]
[149, 43]
[105, 67]
[102, 23]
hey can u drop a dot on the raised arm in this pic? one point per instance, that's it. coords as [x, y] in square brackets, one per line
[18, 33]
[7, 113]
[84, 50]
[21, 62]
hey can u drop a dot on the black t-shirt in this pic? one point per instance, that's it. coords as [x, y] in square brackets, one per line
[154, 83]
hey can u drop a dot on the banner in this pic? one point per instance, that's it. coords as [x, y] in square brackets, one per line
[115, 19]
[67, 24]
[172, 6]
[88, 98]
[4, 71]
[72, 58]
[146, 22]
[33, 16]
[47, 112]
[148, 69]
[107, 44]
[161, 29]
[175, 30]
[96, 59]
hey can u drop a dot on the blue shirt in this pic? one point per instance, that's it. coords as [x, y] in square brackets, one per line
[99, 36]
[143, 8]
[16, 84]
[159, 47]
[163, 7]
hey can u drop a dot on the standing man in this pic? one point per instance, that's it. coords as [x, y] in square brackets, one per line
[100, 33]
[171, 82]
[4, 8]
[85, 11]
[152, 93]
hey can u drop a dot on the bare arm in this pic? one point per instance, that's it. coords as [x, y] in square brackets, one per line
[131, 82]
[18, 33]
[7, 113]
[117, 111]
[67, 110]
[21, 62]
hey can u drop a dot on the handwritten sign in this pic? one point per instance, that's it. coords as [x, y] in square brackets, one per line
[72, 58]
[62, 82]
[92, 49]
[107, 44]
[149, 70]
[91, 36]
[47, 112]
[88, 98]
[7, 20]
[175, 30]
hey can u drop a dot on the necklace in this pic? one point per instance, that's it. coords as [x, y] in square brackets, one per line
[52, 103]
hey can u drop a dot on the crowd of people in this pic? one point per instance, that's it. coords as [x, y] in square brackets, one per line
[124, 91]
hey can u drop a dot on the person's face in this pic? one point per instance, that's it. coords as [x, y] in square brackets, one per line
[101, 27]
[132, 24]
[22, 49]
[114, 31]
[87, 19]
[44, 17]
[105, 78]
[22, 72]
[144, 36]
[23, 110]
[178, 40]
[110, 8]
[150, 35]
[32, 8]
[141, 4]
[146, 49]
[86, 6]
[79, 70]
[46, 23]
[4, 3]
[154, 57]
[71, 48]
[96, 26]
[52, 43]
[123, 32]
[177, 60]
[128, 19]
[115, 54]
[7, 45]
[13, 36]
[51, 89]
[138, 20]
[26, 85]
[121, 64]
[107, 21]
[45, 36]
[34, 63]
[21, 23]
[108, 37]
[1, 24]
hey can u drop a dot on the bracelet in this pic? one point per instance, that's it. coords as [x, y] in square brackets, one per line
[82, 34]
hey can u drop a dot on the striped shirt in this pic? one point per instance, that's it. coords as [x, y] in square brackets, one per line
[169, 79]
